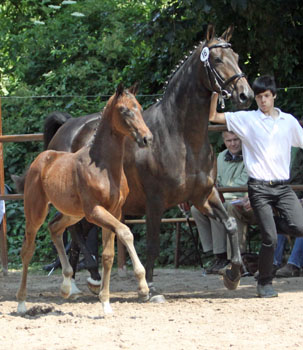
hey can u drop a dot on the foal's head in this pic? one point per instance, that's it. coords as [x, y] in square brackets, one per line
[127, 116]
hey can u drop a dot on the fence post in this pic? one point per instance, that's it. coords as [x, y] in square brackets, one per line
[177, 248]
[3, 242]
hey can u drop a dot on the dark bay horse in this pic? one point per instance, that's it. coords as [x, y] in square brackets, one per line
[180, 166]
[89, 183]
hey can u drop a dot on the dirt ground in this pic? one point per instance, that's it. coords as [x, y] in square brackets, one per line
[199, 313]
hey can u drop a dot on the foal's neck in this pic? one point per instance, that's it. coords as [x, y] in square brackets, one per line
[107, 148]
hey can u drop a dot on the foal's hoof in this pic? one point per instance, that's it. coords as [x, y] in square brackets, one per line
[94, 285]
[21, 309]
[66, 287]
[230, 283]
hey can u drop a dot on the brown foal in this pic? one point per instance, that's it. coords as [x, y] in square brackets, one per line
[89, 183]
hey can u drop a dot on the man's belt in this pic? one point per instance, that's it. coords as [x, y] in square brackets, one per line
[251, 180]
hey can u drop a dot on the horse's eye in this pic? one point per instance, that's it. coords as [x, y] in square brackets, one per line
[123, 110]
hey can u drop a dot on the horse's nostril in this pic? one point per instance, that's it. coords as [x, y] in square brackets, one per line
[243, 97]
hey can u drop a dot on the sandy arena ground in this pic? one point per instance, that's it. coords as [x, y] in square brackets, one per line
[199, 313]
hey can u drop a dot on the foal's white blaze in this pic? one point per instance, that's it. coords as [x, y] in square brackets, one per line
[107, 309]
[21, 309]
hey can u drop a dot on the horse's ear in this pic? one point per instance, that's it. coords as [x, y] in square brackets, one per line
[228, 33]
[210, 34]
[120, 89]
[134, 88]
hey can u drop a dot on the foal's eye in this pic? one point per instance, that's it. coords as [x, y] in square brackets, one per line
[126, 112]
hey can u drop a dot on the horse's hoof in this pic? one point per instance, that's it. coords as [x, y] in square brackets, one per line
[107, 309]
[21, 309]
[75, 291]
[228, 282]
[66, 287]
[158, 299]
[143, 298]
[93, 285]
[154, 295]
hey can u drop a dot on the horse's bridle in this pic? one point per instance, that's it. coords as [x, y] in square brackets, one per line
[217, 83]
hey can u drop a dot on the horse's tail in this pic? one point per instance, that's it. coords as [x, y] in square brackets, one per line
[19, 182]
[52, 123]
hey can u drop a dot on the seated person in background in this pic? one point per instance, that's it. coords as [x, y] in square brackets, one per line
[230, 172]
[295, 261]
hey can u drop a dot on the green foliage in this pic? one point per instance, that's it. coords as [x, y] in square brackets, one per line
[75, 55]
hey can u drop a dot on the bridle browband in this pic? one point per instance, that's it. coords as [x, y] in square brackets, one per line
[217, 83]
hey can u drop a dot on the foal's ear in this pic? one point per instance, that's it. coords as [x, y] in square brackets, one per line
[210, 34]
[134, 88]
[120, 89]
[228, 33]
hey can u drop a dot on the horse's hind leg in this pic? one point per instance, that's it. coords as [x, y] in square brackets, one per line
[57, 226]
[214, 208]
[35, 216]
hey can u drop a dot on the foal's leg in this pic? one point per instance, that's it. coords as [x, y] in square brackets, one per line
[35, 214]
[57, 226]
[101, 217]
[214, 208]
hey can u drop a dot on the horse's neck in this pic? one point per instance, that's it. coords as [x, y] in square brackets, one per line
[107, 148]
[186, 101]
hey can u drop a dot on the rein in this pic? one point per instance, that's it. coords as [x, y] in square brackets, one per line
[216, 81]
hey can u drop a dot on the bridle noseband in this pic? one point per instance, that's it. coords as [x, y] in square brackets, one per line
[217, 83]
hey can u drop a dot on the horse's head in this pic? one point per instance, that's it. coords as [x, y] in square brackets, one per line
[127, 118]
[223, 74]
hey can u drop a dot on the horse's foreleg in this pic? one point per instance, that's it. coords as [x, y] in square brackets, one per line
[154, 212]
[127, 238]
[57, 226]
[108, 252]
[80, 234]
[215, 209]
[101, 217]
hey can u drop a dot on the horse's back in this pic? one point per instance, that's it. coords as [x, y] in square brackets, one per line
[75, 133]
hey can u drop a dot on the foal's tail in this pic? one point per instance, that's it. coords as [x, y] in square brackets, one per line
[19, 182]
[52, 123]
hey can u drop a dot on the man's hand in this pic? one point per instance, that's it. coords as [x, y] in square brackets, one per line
[214, 116]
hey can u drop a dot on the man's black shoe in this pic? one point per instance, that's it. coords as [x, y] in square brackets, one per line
[266, 291]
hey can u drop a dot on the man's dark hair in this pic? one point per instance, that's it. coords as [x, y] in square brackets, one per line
[263, 83]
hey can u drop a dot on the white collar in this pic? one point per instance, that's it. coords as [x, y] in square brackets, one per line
[264, 116]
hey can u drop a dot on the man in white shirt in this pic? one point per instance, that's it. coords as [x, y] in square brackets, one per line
[267, 136]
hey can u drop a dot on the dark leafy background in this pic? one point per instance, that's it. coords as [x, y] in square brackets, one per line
[75, 54]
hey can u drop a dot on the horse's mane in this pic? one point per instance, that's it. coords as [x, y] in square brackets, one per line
[179, 65]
